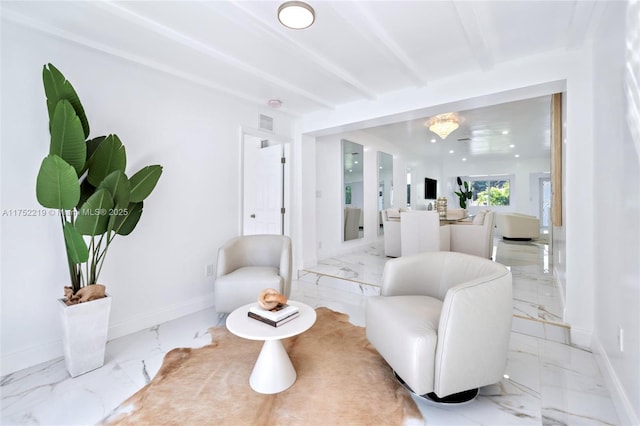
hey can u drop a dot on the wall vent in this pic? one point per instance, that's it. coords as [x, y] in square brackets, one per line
[266, 122]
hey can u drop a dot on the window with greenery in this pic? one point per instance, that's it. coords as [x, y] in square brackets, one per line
[490, 192]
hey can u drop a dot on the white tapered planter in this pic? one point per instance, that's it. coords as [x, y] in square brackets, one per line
[84, 334]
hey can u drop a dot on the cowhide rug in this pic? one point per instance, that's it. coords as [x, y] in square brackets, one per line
[342, 380]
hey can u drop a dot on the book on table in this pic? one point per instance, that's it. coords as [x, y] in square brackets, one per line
[273, 323]
[276, 314]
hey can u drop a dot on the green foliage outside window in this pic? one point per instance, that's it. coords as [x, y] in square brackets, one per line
[492, 193]
[347, 195]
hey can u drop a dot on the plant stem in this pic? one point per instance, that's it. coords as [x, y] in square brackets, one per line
[103, 255]
[99, 255]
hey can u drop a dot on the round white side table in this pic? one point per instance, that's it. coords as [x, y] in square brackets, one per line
[273, 371]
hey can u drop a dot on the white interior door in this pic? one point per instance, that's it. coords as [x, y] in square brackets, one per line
[263, 187]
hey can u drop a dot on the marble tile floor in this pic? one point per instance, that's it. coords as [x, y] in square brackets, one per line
[546, 382]
[538, 308]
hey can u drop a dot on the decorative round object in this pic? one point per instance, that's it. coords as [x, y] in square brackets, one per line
[269, 298]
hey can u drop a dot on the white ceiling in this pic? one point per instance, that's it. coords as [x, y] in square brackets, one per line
[519, 128]
[354, 51]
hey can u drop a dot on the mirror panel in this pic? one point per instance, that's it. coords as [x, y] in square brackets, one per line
[385, 185]
[353, 190]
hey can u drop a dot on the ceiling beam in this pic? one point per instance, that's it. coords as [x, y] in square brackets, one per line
[263, 26]
[474, 36]
[585, 18]
[212, 52]
[360, 18]
[43, 27]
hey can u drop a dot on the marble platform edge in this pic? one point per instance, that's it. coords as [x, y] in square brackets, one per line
[559, 333]
[338, 283]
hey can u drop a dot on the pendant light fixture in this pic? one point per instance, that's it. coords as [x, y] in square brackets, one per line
[443, 124]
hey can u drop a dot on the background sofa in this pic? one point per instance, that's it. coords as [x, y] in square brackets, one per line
[517, 226]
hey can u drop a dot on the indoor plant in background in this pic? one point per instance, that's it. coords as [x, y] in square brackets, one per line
[84, 180]
[464, 192]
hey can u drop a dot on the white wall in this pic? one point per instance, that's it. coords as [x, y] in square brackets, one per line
[156, 273]
[616, 237]
[328, 178]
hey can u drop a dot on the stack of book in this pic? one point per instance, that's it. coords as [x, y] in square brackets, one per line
[276, 316]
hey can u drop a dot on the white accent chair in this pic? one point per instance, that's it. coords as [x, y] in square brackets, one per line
[249, 264]
[517, 226]
[391, 229]
[443, 321]
[420, 231]
[474, 238]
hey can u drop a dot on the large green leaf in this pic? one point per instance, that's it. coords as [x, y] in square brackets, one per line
[143, 182]
[124, 225]
[93, 216]
[67, 137]
[118, 186]
[108, 157]
[92, 145]
[86, 191]
[56, 87]
[57, 185]
[76, 247]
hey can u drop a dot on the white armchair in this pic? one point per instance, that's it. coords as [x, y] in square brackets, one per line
[420, 231]
[249, 264]
[443, 322]
[517, 226]
[474, 238]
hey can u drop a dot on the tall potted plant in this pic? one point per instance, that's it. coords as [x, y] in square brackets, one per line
[85, 181]
[464, 192]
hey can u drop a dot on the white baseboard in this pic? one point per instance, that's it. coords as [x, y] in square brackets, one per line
[37, 354]
[625, 410]
[140, 322]
[28, 357]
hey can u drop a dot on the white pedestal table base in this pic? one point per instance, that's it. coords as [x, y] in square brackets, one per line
[273, 371]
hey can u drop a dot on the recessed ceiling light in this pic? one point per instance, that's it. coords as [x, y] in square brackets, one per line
[433, 141]
[350, 170]
[464, 159]
[296, 15]
[512, 146]
[517, 155]
[505, 132]
[355, 162]
[451, 151]
[274, 103]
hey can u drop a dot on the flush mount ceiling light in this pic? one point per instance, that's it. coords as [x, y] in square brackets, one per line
[296, 15]
[443, 124]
